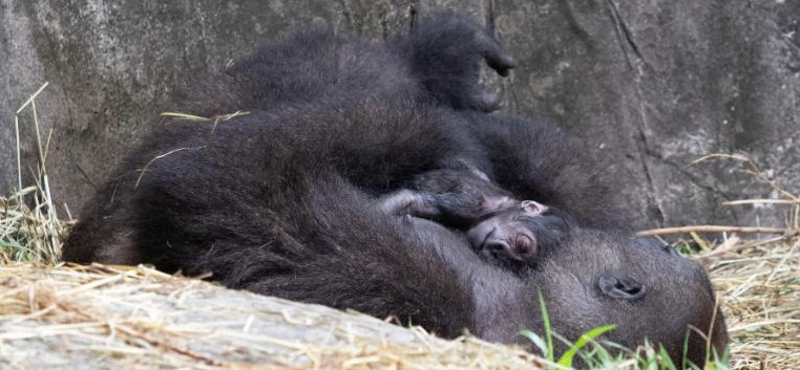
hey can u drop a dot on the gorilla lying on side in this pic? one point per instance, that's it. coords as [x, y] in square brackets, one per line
[282, 201]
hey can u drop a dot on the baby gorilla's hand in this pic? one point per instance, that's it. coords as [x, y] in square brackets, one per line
[454, 197]
[461, 196]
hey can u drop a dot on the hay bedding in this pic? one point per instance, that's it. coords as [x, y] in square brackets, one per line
[758, 282]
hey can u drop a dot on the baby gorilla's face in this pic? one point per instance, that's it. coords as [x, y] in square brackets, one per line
[518, 235]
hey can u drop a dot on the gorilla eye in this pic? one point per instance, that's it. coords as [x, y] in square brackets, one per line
[671, 250]
[664, 247]
[621, 288]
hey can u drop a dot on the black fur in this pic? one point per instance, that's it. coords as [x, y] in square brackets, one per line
[540, 162]
[437, 64]
[268, 211]
[281, 201]
[454, 198]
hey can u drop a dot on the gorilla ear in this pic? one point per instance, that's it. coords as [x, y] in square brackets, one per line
[532, 208]
[621, 288]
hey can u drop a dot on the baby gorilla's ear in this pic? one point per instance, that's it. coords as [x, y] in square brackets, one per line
[532, 208]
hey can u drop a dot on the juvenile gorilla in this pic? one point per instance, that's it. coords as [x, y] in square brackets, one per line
[281, 202]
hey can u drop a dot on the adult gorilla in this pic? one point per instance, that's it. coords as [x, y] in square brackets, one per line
[281, 201]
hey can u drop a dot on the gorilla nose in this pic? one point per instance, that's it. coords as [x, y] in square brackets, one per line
[621, 288]
[497, 248]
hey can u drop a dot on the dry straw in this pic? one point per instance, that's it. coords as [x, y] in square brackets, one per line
[30, 229]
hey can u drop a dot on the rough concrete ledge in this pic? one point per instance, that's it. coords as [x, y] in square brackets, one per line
[104, 317]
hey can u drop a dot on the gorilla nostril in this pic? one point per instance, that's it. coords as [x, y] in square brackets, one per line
[496, 246]
[621, 288]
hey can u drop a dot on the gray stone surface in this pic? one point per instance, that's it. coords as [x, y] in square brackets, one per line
[650, 86]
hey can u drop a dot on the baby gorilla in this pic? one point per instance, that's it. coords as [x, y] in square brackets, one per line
[504, 230]
[520, 235]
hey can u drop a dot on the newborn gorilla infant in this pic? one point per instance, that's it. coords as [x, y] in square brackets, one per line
[501, 228]
[523, 233]
[281, 201]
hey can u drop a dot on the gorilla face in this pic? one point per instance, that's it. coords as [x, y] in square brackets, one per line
[599, 278]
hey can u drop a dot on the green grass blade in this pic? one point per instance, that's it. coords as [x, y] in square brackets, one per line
[547, 330]
[9, 244]
[537, 340]
[569, 355]
[666, 361]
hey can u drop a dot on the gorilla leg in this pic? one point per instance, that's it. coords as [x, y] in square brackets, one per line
[437, 64]
[308, 66]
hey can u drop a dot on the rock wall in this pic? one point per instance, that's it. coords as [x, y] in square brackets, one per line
[649, 86]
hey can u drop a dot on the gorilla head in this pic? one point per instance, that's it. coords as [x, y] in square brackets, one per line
[642, 286]
[591, 279]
